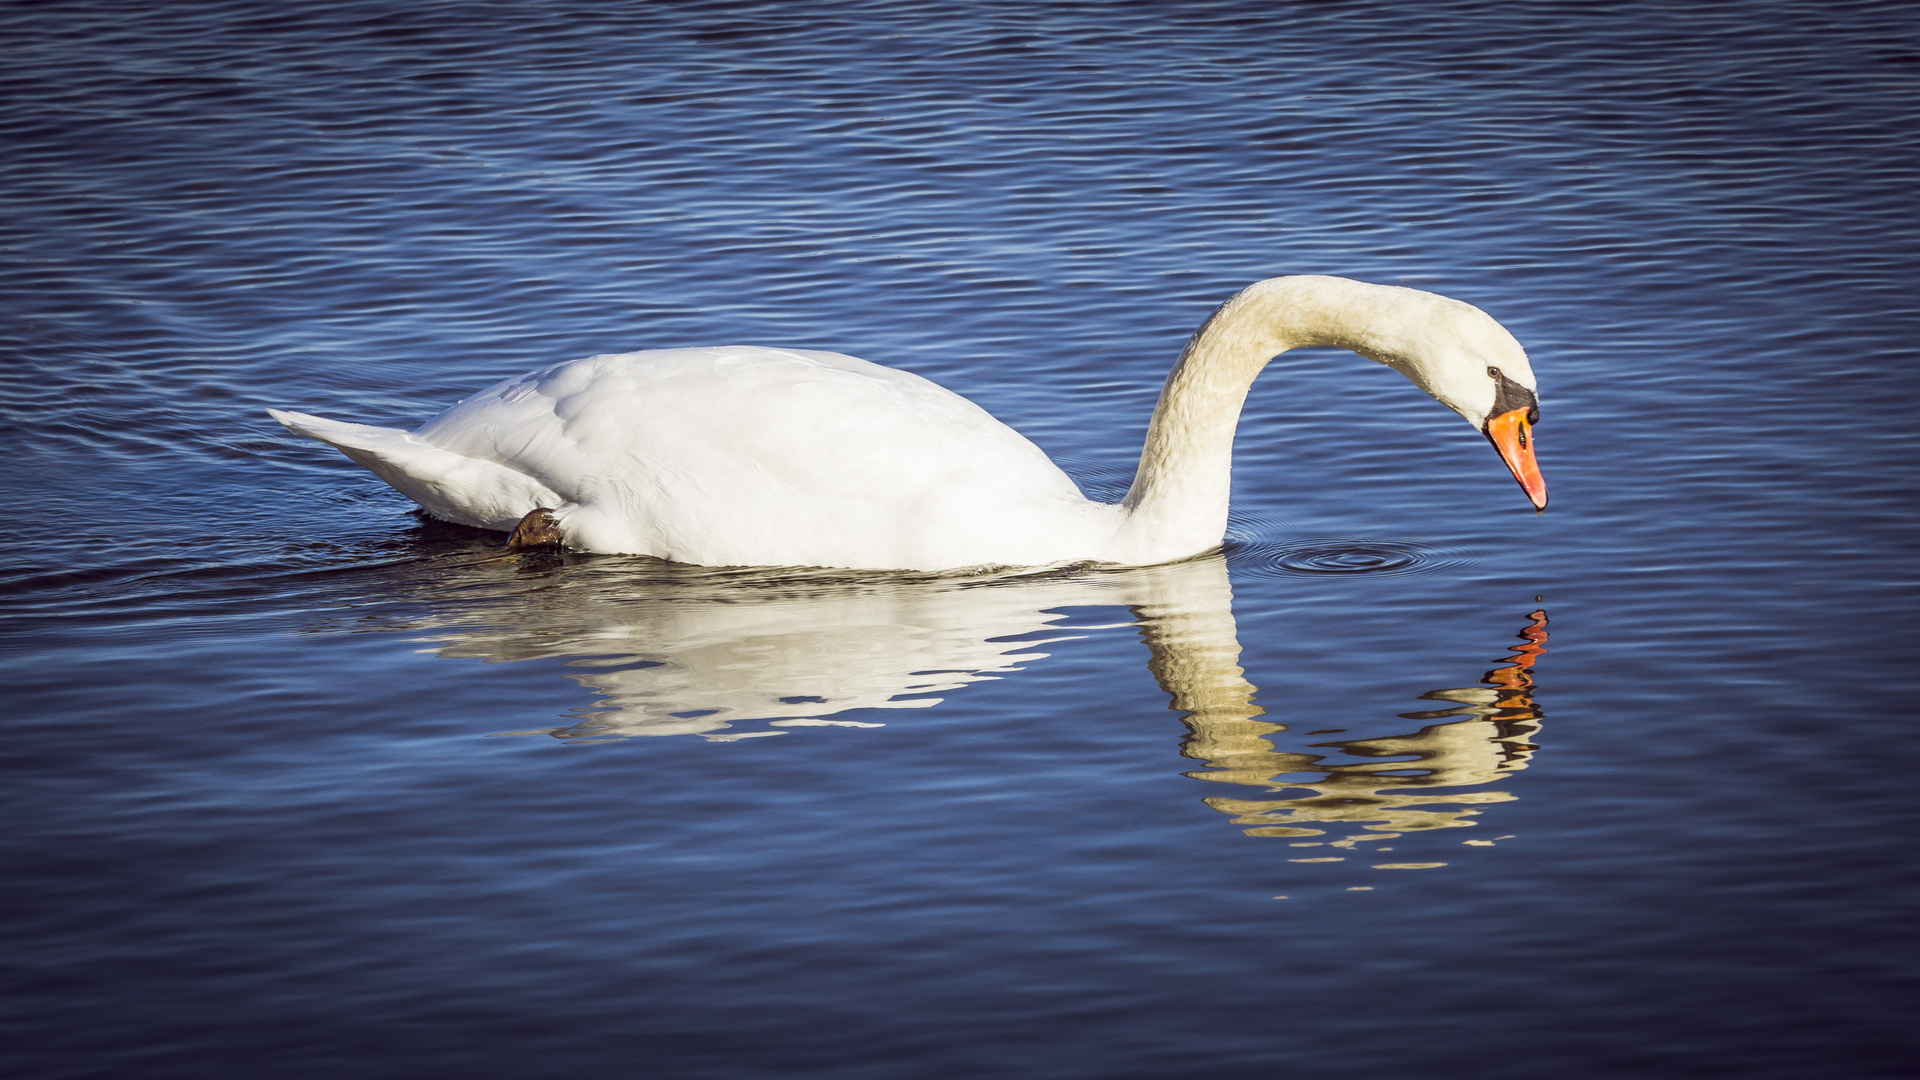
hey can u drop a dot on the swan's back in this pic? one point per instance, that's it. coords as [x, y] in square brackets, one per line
[758, 456]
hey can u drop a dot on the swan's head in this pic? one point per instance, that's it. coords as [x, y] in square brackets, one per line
[1472, 365]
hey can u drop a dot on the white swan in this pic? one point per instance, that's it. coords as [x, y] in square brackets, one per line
[742, 456]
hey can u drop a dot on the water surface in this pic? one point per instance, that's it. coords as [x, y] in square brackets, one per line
[1407, 778]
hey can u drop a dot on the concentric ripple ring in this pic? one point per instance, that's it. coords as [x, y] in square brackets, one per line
[1346, 555]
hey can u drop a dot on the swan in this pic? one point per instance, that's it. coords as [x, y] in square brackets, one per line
[751, 456]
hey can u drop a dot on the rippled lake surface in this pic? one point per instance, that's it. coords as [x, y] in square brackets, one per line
[1408, 779]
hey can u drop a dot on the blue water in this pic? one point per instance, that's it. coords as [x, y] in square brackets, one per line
[1408, 780]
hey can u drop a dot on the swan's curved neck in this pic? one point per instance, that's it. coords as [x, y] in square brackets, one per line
[1177, 505]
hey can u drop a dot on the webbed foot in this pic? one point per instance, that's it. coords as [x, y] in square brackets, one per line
[536, 530]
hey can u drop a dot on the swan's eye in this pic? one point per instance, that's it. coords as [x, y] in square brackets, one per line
[1493, 373]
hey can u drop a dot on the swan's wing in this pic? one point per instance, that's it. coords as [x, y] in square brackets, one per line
[755, 455]
[450, 486]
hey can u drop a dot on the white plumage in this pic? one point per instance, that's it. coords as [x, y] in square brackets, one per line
[739, 456]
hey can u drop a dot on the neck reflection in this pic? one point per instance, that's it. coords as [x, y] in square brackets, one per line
[1394, 786]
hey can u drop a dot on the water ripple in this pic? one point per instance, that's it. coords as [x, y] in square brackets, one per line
[1347, 555]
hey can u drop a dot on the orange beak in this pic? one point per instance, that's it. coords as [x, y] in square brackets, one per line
[1513, 437]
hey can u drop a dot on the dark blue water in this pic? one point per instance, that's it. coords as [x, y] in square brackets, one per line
[1410, 780]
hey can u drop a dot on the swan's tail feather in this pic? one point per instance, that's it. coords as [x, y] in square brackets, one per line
[339, 434]
[450, 486]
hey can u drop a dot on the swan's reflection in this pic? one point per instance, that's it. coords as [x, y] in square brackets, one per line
[732, 654]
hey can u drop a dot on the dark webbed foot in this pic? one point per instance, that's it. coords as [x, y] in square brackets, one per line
[536, 530]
